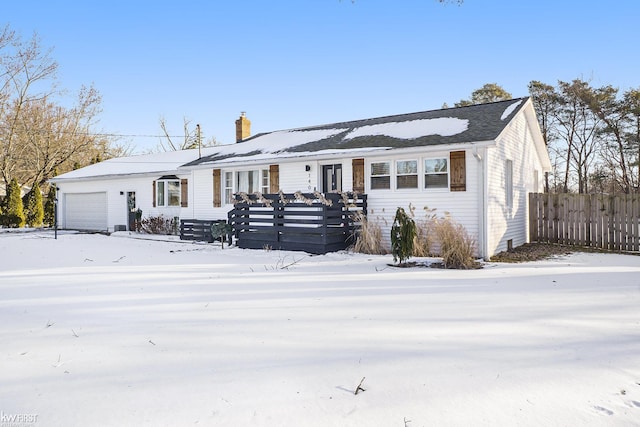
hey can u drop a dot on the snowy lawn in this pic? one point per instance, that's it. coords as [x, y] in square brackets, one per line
[115, 331]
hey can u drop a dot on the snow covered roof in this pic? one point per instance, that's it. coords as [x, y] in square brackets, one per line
[475, 123]
[158, 163]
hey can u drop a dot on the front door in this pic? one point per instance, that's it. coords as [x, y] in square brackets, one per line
[332, 178]
[131, 210]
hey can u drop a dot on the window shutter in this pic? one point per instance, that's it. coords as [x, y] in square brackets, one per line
[358, 175]
[217, 193]
[458, 171]
[154, 193]
[184, 193]
[274, 179]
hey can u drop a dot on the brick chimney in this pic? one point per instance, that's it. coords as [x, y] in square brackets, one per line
[243, 128]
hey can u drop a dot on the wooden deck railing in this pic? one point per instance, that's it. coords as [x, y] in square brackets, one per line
[311, 222]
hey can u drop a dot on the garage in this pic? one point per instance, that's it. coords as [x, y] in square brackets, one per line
[85, 211]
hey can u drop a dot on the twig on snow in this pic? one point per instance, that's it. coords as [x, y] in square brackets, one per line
[57, 365]
[120, 259]
[295, 261]
[74, 333]
[359, 388]
[152, 342]
[50, 323]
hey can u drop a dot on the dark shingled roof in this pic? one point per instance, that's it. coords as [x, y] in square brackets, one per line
[485, 122]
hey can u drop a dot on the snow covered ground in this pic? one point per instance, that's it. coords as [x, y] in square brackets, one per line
[115, 331]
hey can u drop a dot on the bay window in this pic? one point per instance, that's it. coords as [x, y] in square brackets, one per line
[168, 192]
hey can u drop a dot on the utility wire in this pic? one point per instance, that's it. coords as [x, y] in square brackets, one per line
[122, 135]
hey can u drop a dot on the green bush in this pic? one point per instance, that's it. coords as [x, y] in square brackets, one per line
[13, 216]
[403, 233]
[49, 207]
[33, 209]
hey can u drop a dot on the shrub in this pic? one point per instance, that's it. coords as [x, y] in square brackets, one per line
[14, 212]
[158, 225]
[368, 237]
[456, 247]
[403, 233]
[34, 211]
[49, 207]
[424, 240]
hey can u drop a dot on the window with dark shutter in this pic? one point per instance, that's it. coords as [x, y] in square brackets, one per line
[458, 170]
[154, 193]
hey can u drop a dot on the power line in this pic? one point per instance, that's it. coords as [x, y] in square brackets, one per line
[98, 134]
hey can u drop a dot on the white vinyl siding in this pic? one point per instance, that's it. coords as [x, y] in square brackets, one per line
[507, 193]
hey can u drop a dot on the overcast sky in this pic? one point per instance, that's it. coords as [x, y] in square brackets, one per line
[307, 62]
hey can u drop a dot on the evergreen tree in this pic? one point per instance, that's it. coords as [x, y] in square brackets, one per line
[14, 213]
[403, 233]
[490, 92]
[34, 211]
[49, 206]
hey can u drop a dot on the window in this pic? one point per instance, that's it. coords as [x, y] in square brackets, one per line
[252, 181]
[265, 181]
[380, 176]
[168, 192]
[228, 187]
[407, 174]
[247, 181]
[508, 183]
[436, 173]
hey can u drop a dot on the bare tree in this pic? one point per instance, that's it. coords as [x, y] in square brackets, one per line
[27, 73]
[56, 138]
[191, 137]
[39, 136]
[593, 135]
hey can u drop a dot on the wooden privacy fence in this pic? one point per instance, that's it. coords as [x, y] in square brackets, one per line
[311, 222]
[593, 220]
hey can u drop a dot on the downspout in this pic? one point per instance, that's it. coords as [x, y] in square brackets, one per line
[482, 214]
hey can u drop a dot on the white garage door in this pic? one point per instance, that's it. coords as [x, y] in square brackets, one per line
[85, 211]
